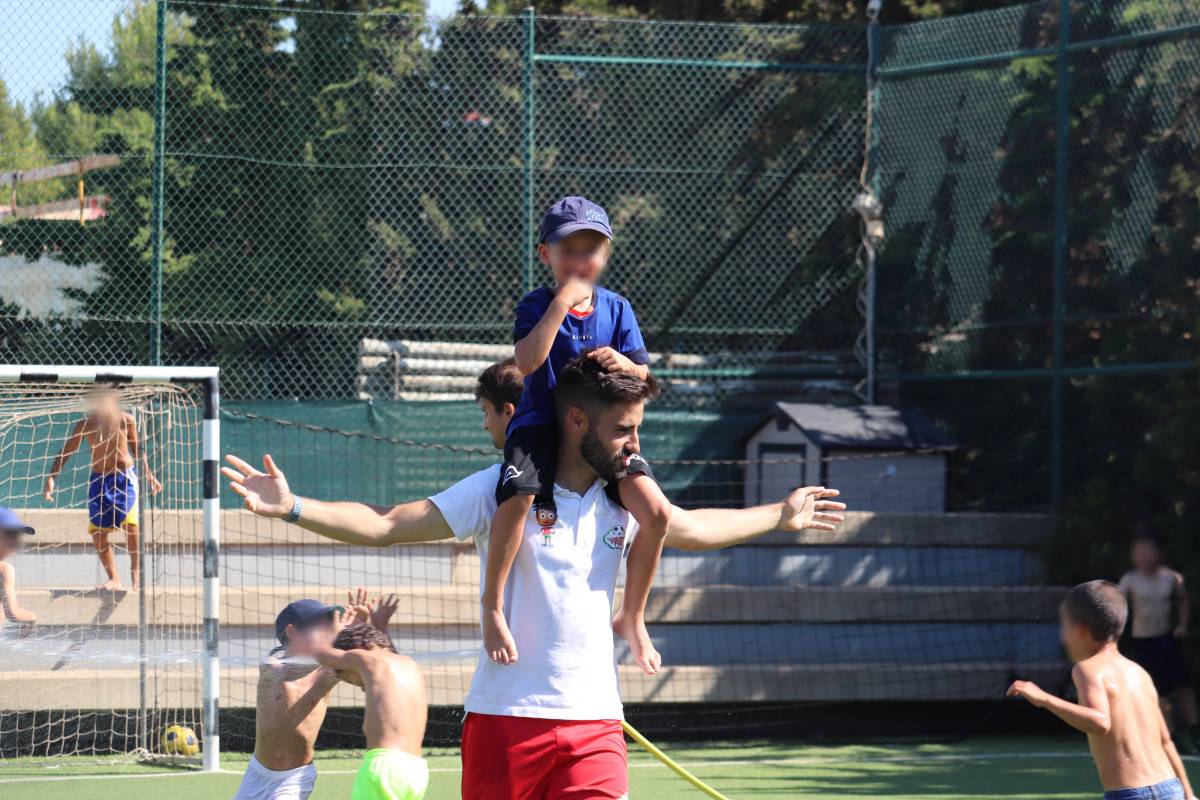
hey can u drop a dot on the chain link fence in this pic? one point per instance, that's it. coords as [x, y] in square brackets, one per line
[332, 177]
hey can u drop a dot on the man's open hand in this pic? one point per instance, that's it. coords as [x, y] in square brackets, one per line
[265, 493]
[810, 507]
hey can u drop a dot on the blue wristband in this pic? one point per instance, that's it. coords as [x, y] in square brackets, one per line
[297, 507]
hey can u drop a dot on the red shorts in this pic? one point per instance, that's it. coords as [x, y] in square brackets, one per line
[520, 758]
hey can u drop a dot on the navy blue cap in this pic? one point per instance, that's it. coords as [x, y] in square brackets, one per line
[572, 214]
[301, 613]
[11, 523]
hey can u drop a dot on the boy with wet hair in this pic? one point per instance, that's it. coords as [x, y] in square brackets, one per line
[12, 534]
[394, 713]
[554, 326]
[1159, 614]
[498, 391]
[1118, 706]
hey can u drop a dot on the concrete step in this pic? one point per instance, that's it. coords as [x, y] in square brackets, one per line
[862, 529]
[441, 565]
[687, 644]
[179, 685]
[438, 606]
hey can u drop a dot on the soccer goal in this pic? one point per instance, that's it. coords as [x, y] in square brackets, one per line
[89, 669]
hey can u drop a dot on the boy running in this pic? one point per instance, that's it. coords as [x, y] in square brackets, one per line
[12, 532]
[113, 487]
[1156, 594]
[293, 697]
[553, 327]
[394, 717]
[1118, 707]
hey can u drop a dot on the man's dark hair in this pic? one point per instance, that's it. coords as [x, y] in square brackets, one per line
[363, 637]
[587, 385]
[1100, 607]
[501, 383]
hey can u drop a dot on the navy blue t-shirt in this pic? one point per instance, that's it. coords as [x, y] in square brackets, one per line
[609, 323]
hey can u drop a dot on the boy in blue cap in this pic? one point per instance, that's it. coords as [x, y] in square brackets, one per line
[554, 325]
[12, 532]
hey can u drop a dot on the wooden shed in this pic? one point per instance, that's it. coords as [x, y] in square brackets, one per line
[882, 458]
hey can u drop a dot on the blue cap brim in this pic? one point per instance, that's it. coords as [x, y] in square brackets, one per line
[561, 232]
[315, 615]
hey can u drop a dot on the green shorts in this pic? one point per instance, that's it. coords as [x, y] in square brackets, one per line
[390, 774]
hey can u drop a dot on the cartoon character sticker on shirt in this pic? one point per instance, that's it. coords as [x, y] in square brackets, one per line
[615, 538]
[546, 516]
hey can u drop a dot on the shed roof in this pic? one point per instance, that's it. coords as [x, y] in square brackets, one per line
[872, 427]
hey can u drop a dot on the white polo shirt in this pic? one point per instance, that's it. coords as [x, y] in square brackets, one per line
[558, 603]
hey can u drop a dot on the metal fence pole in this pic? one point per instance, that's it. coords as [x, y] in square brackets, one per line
[529, 19]
[156, 188]
[873, 171]
[1061, 156]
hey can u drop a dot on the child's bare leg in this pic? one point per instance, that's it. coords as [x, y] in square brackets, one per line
[508, 528]
[133, 545]
[650, 507]
[107, 560]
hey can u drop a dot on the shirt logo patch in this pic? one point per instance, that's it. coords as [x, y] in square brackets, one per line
[547, 517]
[510, 472]
[615, 538]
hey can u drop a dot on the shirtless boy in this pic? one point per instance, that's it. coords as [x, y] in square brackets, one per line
[293, 698]
[113, 487]
[12, 532]
[394, 720]
[1118, 706]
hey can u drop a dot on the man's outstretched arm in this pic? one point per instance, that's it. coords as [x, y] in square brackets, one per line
[811, 507]
[265, 492]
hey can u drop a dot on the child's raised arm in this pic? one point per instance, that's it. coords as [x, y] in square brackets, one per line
[336, 659]
[1089, 715]
[532, 349]
[69, 448]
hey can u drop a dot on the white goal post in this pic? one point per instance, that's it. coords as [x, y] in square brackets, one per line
[40, 381]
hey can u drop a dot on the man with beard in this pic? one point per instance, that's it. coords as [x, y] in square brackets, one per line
[549, 725]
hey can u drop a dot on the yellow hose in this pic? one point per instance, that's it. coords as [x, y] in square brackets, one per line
[670, 764]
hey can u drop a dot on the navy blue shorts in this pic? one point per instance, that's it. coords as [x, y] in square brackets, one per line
[1170, 789]
[1162, 657]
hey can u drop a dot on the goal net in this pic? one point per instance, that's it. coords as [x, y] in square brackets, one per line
[88, 671]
